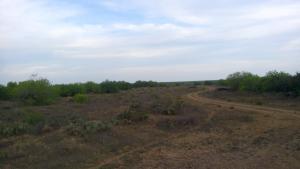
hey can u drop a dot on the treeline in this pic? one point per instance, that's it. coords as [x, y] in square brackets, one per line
[41, 91]
[273, 81]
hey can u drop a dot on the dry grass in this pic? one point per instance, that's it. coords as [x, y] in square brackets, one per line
[201, 135]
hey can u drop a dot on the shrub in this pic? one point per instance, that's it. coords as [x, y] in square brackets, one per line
[71, 89]
[168, 105]
[133, 114]
[277, 82]
[80, 98]
[83, 127]
[35, 92]
[11, 129]
[33, 118]
[273, 81]
[92, 87]
[109, 87]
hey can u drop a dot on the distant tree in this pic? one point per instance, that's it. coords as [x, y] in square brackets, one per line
[35, 92]
[71, 89]
[277, 82]
[4, 95]
[109, 87]
[208, 82]
[140, 83]
[296, 83]
[92, 87]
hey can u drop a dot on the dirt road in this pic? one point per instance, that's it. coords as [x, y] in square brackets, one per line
[240, 106]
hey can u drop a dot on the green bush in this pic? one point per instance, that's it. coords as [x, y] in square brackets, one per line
[33, 118]
[273, 81]
[277, 82]
[71, 89]
[80, 98]
[35, 92]
[109, 87]
[92, 87]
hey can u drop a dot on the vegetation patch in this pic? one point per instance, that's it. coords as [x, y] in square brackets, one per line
[33, 117]
[35, 92]
[168, 105]
[273, 81]
[83, 127]
[80, 98]
[133, 114]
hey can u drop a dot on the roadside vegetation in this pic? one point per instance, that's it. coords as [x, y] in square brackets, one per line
[273, 81]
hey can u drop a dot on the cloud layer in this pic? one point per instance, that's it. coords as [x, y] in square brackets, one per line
[159, 39]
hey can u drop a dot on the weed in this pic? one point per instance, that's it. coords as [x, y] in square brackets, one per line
[13, 129]
[33, 118]
[168, 105]
[133, 114]
[80, 98]
[82, 127]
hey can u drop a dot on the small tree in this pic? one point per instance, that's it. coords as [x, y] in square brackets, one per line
[35, 92]
[4, 95]
[277, 82]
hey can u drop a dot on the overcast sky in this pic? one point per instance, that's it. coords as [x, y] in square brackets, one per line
[162, 40]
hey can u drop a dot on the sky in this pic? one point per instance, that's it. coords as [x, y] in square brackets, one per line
[163, 40]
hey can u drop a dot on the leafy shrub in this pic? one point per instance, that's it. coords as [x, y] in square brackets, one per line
[133, 114]
[109, 87]
[277, 81]
[71, 89]
[168, 105]
[244, 81]
[33, 118]
[80, 98]
[92, 87]
[35, 92]
[11, 129]
[83, 127]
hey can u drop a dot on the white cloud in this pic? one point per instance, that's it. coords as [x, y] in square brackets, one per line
[293, 45]
[270, 11]
[168, 28]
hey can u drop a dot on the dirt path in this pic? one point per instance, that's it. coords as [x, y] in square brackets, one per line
[240, 106]
[103, 163]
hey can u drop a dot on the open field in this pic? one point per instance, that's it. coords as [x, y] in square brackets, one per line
[162, 128]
